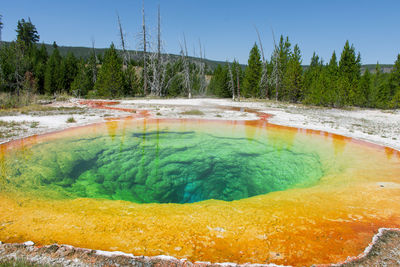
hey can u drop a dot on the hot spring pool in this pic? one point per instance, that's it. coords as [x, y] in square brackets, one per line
[220, 191]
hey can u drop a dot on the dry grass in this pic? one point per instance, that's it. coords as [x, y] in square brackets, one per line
[10, 128]
[40, 110]
[193, 112]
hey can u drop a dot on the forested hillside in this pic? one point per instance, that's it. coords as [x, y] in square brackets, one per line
[136, 55]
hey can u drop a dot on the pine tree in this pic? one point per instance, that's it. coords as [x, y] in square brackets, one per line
[39, 59]
[332, 83]
[381, 88]
[364, 90]
[311, 92]
[394, 83]
[70, 68]
[83, 82]
[252, 73]
[110, 80]
[53, 77]
[132, 81]
[27, 34]
[219, 84]
[349, 69]
[293, 78]
[237, 77]
[284, 55]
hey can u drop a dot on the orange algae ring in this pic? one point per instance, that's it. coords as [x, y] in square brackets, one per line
[216, 191]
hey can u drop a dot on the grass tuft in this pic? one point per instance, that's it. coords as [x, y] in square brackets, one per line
[71, 120]
[193, 112]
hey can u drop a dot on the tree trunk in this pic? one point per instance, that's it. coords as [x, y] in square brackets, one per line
[144, 53]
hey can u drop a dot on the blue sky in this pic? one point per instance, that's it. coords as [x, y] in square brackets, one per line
[225, 27]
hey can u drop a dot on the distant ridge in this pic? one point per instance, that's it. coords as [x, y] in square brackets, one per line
[84, 52]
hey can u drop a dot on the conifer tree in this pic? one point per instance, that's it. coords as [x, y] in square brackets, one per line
[310, 93]
[332, 73]
[381, 88]
[237, 77]
[252, 73]
[219, 84]
[293, 76]
[132, 81]
[350, 70]
[27, 34]
[70, 68]
[375, 84]
[394, 83]
[110, 80]
[39, 59]
[363, 99]
[83, 82]
[53, 77]
[1, 27]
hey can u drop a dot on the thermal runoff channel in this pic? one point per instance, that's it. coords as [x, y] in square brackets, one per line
[203, 190]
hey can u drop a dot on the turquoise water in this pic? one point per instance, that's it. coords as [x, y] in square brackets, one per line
[149, 165]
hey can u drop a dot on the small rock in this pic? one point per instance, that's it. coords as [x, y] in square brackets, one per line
[29, 243]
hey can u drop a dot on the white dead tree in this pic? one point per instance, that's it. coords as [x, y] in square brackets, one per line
[158, 64]
[238, 81]
[263, 84]
[144, 43]
[186, 68]
[158, 67]
[201, 71]
[231, 82]
[125, 56]
[276, 75]
[93, 63]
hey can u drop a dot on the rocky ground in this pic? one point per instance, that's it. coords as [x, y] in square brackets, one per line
[383, 251]
[376, 126]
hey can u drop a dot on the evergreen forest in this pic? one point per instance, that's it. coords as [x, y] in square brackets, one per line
[27, 67]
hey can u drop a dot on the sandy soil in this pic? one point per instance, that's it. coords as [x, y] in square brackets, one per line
[376, 126]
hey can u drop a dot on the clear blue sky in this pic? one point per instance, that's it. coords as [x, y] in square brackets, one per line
[225, 27]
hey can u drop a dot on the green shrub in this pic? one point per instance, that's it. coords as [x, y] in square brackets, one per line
[71, 120]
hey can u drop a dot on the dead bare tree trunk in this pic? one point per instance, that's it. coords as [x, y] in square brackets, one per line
[158, 64]
[94, 64]
[231, 82]
[276, 71]
[159, 35]
[201, 72]
[238, 81]
[264, 72]
[186, 68]
[121, 34]
[144, 52]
